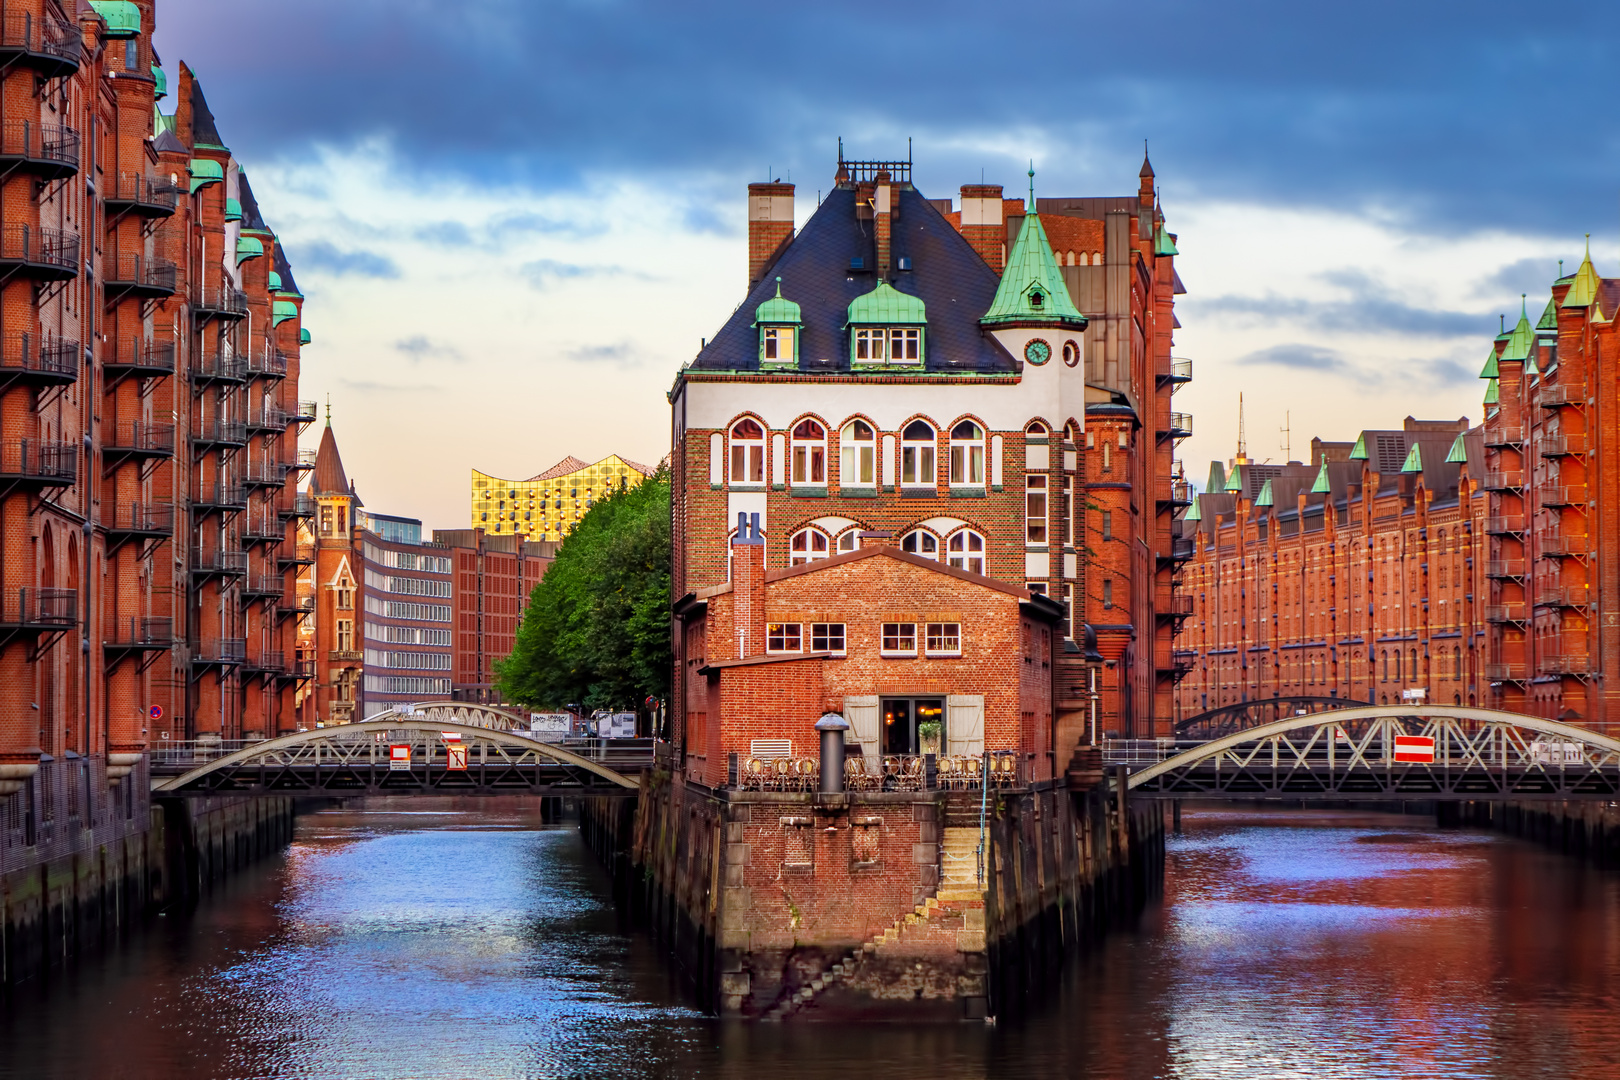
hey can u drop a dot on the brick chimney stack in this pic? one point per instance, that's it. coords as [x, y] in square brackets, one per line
[982, 224]
[770, 225]
[883, 225]
[748, 586]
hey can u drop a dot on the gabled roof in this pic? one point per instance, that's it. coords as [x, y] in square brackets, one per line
[1549, 317]
[288, 285]
[1523, 337]
[203, 128]
[1032, 287]
[167, 142]
[949, 277]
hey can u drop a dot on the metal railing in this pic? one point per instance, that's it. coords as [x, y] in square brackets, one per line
[219, 651]
[154, 519]
[224, 432]
[269, 417]
[1570, 596]
[39, 608]
[49, 463]
[218, 300]
[1505, 524]
[217, 561]
[223, 363]
[892, 772]
[149, 355]
[300, 506]
[262, 527]
[48, 358]
[263, 585]
[267, 362]
[1515, 672]
[222, 496]
[1567, 664]
[1505, 568]
[53, 249]
[1181, 425]
[1504, 613]
[1139, 751]
[1556, 543]
[344, 655]
[302, 604]
[1181, 370]
[1563, 495]
[1503, 480]
[1181, 548]
[1563, 445]
[264, 474]
[303, 461]
[302, 668]
[137, 631]
[1559, 394]
[1180, 604]
[1503, 434]
[305, 412]
[141, 189]
[40, 35]
[267, 661]
[45, 144]
[149, 274]
[1180, 492]
[142, 437]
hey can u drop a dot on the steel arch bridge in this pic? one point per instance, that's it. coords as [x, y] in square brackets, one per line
[1240, 715]
[444, 758]
[1378, 753]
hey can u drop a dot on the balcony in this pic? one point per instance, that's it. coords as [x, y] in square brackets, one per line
[215, 562]
[41, 43]
[267, 364]
[268, 417]
[1180, 425]
[260, 474]
[34, 360]
[219, 366]
[1563, 495]
[1181, 605]
[1511, 672]
[302, 604]
[1567, 664]
[267, 663]
[1564, 596]
[305, 412]
[1564, 445]
[1505, 568]
[48, 151]
[262, 587]
[1556, 544]
[219, 433]
[301, 506]
[263, 528]
[140, 358]
[139, 440]
[38, 464]
[1503, 434]
[40, 254]
[1504, 613]
[38, 610]
[294, 558]
[218, 302]
[1504, 480]
[147, 277]
[141, 521]
[220, 652]
[298, 670]
[1180, 492]
[1505, 525]
[303, 462]
[219, 498]
[141, 194]
[1181, 549]
[135, 634]
[1180, 373]
[1560, 395]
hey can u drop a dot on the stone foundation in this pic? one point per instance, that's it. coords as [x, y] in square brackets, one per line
[1586, 829]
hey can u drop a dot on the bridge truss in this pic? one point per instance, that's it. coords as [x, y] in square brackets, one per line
[441, 758]
[1241, 715]
[1376, 753]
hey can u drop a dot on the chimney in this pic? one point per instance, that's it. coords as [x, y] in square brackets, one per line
[770, 226]
[748, 586]
[883, 226]
[982, 225]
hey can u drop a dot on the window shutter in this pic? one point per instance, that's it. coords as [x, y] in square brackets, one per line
[964, 725]
[862, 713]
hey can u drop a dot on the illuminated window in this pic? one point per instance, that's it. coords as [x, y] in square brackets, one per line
[783, 637]
[899, 639]
[857, 447]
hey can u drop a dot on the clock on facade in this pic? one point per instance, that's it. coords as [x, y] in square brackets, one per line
[1037, 352]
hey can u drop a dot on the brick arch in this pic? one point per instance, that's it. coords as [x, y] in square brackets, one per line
[748, 415]
[948, 428]
[900, 428]
[1041, 420]
[818, 418]
[1074, 431]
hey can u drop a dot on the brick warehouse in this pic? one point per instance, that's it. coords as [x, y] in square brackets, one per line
[988, 385]
[149, 361]
[1358, 576]
[1554, 525]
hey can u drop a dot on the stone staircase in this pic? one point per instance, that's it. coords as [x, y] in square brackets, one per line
[948, 911]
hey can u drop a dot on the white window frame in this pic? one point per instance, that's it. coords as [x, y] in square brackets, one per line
[905, 345]
[784, 637]
[803, 547]
[776, 344]
[828, 635]
[1036, 489]
[747, 456]
[848, 540]
[918, 467]
[922, 543]
[949, 636]
[964, 548]
[967, 455]
[857, 457]
[807, 455]
[872, 341]
[904, 631]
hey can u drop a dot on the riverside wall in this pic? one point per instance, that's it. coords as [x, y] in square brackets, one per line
[83, 859]
[805, 906]
[1586, 829]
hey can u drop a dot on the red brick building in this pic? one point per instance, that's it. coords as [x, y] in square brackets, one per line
[149, 362]
[1554, 525]
[988, 385]
[1359, 576]
[919, 657]
[494, 576]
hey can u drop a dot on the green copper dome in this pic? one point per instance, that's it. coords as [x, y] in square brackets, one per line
[1032, 288]
[883, 306]
[1522, 339]
[778, 311]
[1235, 481]
[1321, 485]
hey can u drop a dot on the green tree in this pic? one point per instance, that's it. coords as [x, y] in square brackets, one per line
[596, 630]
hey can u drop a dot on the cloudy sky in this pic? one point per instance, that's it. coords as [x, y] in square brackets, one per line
[515, 220]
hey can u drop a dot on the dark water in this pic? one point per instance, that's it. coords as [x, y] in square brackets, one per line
[456, 945]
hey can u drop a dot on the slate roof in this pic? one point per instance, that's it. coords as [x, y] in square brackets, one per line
[167, 142]
[281, 266]
[203, 128]
[251, 218]
[948, 276]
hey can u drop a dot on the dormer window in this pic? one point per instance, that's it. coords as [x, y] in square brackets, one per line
[1036, 298]
[778, 322]
[886, 328]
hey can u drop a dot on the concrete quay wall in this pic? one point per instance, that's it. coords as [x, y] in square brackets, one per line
[1586, 829]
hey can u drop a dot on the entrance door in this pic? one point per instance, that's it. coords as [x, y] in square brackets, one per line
[913, 725]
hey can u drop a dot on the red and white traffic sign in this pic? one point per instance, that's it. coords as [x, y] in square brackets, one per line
[457, 757]
[1415, 748]
[450, 736]
[399, 757]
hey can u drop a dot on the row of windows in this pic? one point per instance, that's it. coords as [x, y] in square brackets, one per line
[406, 684]
[399, 609]
[897, 639]
[405, 560]
[858, 448]
[964, 550]
[420, 661]
[409, 586]
[406, 635]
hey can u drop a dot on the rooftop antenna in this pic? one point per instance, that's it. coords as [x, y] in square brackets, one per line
[1288, 438]
[328, 410]
[1501, 324]
[1241, 455]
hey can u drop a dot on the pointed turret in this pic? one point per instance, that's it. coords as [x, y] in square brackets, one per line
[1522, 338]
[1147, 166]
[1032, 291]
[1584, 289]
[329, 479]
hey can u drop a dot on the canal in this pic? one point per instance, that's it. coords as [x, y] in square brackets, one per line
[459, 944]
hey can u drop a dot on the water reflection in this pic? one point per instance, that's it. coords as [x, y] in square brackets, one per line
[460, 944]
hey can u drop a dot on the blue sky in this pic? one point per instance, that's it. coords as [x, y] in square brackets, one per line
[547, 198]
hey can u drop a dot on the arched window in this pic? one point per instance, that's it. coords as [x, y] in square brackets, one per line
[808, 545]
[747, 452]
[1396, 653]
[967, 454]
[965, 551]
[1386, 667]
[1037, 429]
[917, 444]
[921, 542]
[857, 448]
[809, 454]
[849, 540]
